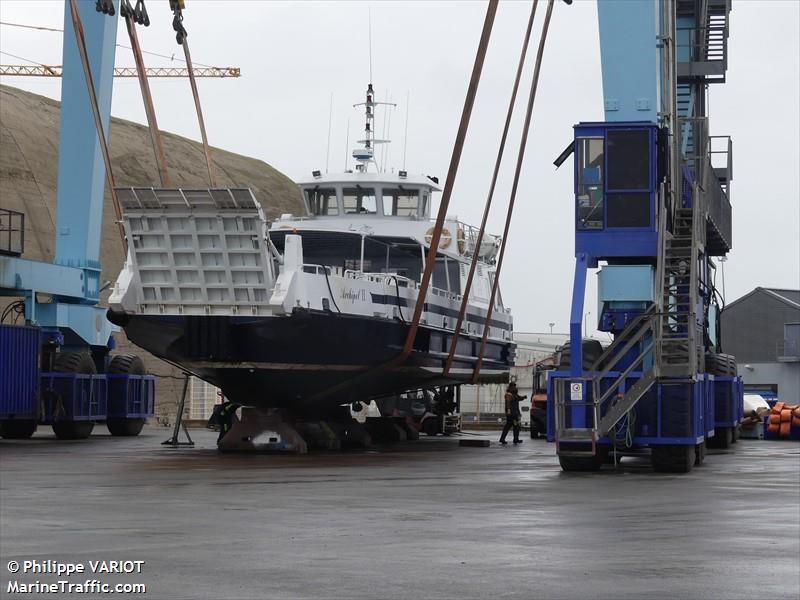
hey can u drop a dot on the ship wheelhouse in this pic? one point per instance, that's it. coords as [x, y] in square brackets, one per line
[366, 196]
[380, 223]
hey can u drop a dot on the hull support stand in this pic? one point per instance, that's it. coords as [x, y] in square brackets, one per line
[262, 431]
[174, 441]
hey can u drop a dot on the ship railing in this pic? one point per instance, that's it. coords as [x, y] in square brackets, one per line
[316, 269]
[389, 278]
[466, 236]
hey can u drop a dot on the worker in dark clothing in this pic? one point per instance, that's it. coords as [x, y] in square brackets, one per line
[513, 413]
[223, 416]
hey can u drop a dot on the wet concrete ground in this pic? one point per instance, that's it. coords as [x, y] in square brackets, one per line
[424, 519]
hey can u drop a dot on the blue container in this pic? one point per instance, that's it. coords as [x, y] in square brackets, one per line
[73, 397]
[131, 396]
[19, 371]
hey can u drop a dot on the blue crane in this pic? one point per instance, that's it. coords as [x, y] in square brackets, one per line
[57, 369]
[652, 213]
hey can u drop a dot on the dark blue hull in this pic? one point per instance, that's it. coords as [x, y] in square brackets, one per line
[304, 361]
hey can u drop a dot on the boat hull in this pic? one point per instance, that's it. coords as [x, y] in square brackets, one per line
[310, 359]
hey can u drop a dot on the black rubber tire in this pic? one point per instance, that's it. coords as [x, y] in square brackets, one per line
[73, 430]
[537, 429]
[723, 438]
[430, 426]
[73, 362]
[17, 430]
[580, 463]
[125, 427]
[126, 364]
[591, 350]
[673, 458]
[699, 454]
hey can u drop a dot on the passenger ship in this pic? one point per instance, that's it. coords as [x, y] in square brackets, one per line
[285, 315]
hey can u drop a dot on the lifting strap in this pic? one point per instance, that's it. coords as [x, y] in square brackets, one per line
[133, 16]
[180, 36]
[472, 90]
[80, 39]
[523, 142]
[455, 159]
[479, 240]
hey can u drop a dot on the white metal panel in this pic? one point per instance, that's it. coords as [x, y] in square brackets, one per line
[198, 251]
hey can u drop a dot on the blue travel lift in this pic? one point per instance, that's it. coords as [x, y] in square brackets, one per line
[56, 369]
[652, 212]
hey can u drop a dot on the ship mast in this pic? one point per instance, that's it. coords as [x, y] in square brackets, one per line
[366, 154]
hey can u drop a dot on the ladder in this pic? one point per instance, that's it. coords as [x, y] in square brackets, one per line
[640, 330]
[676, 339]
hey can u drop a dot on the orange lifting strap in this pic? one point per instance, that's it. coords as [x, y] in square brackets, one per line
[782, 418]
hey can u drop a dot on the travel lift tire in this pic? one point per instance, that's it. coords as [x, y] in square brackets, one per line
[723, 438]
[673, 458]
[73, 362]
[700, 454]
[17, 430]
[127, 364]
[585, 463]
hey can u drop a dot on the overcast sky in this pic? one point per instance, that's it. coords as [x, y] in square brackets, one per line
[294, 55]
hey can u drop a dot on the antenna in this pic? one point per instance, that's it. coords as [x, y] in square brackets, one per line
[383, 133]
[366, 155]
[405, 135]
[388, 138]
[328, 149]
[347, 144]
[369, 26]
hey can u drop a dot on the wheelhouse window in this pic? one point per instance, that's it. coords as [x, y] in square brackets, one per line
[322, 202]
[400, 202]
[359, 201]
[590, 183]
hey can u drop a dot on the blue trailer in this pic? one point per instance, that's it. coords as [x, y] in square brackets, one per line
[652, 214]
[57, 366]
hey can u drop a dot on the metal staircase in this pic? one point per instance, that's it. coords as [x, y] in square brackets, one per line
[706, 44]
[676, 344]
[640, 331]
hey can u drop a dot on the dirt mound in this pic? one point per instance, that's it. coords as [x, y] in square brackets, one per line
[29, 126]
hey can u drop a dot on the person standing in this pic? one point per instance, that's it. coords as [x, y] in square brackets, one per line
[513, 413]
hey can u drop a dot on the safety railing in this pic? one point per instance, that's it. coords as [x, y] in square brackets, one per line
[466, 237]
[704, 44]
[12, 232]
[710, 159]
[571, 395]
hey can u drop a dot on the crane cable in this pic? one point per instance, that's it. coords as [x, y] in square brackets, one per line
[131, 19]
[181, 37]
[479, 240]
[451, 176]
[514, 187]
[455, 158]
[169, 58]
[80, 39]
